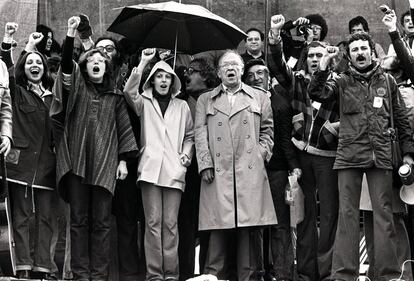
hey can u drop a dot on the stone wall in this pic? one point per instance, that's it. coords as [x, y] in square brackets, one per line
[243, 13]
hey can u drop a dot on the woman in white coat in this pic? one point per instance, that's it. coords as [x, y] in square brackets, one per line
[167, 141]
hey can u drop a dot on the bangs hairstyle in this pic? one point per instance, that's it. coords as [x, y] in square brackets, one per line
[360, 36]
[302, 61]
[84, 59]
[21, 78]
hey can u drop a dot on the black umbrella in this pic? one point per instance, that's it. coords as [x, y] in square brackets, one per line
[185, 28]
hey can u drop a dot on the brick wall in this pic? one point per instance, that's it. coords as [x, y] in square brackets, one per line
[243, 13]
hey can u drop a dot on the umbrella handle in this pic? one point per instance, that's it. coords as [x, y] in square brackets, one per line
[175, 47]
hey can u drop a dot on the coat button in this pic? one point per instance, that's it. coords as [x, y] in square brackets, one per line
[219, 123]
[248, 137]
[218, 154]
[249, 151]
[250, 166]
[245, 121]
[218, 139]
[217, 169]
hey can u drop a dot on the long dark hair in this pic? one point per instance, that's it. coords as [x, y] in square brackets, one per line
[21, 78]
[41, 47]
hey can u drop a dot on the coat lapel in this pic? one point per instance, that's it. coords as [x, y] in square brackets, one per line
[241, 102]
[221, 103]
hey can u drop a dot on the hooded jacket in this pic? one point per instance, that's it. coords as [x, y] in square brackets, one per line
[163, 138]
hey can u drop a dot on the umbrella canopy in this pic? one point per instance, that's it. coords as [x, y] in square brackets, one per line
[170, 25]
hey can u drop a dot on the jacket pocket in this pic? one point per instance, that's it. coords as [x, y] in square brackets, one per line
[351, 104]
[27, 108]
[19, 144]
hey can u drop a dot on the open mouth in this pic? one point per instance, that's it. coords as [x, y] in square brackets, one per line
[35, 70]
[231, 75]
[96, 69]
[163, 86]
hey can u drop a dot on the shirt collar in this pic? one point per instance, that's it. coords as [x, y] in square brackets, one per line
[226, 89]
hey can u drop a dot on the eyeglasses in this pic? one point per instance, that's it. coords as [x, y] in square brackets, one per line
[316, 28]
[230, 64]
[190, 71]
[108, 48]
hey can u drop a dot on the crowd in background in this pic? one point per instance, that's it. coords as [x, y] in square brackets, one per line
[200, 153]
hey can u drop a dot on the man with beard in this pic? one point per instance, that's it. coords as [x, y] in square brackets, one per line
[284, 159]
[315, 135]
[199, 78]
[365, 94]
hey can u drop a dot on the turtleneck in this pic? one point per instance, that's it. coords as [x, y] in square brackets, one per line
[163, 100]
[368, 69]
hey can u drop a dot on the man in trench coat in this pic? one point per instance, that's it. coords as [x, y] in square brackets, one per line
[234, 139]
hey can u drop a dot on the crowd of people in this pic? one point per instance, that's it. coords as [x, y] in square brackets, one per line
[200, 153]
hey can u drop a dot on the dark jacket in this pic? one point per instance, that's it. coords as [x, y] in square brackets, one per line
[284, 153]
[363, 138]
[314, 131]
[403, 54]
[32, 160]
[94, 132]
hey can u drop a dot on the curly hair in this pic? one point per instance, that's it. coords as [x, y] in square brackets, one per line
[319, 20]
[118, 60]
[207, 71]
[360, 36]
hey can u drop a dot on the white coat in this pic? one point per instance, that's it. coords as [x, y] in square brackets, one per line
[163, 138]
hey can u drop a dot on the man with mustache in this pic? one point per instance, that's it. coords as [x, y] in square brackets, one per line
[234, 139]
[363, 93]
[315, 135]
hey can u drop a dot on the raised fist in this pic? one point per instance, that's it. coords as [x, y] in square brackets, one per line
[73, 22]
[277, 22]
[10, 28]
[35, 38]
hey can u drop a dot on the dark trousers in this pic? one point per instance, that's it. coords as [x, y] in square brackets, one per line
[22, 210]
[346, 251]
[249, 253]
[90, 224]
[188, 222]
[403, 245]
[127, 207]
[314, 254]
[281, 234]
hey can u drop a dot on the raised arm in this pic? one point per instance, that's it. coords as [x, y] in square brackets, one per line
[67, 51]
[321, 88]
[406, 59]
[276, 61]
[131, 89]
